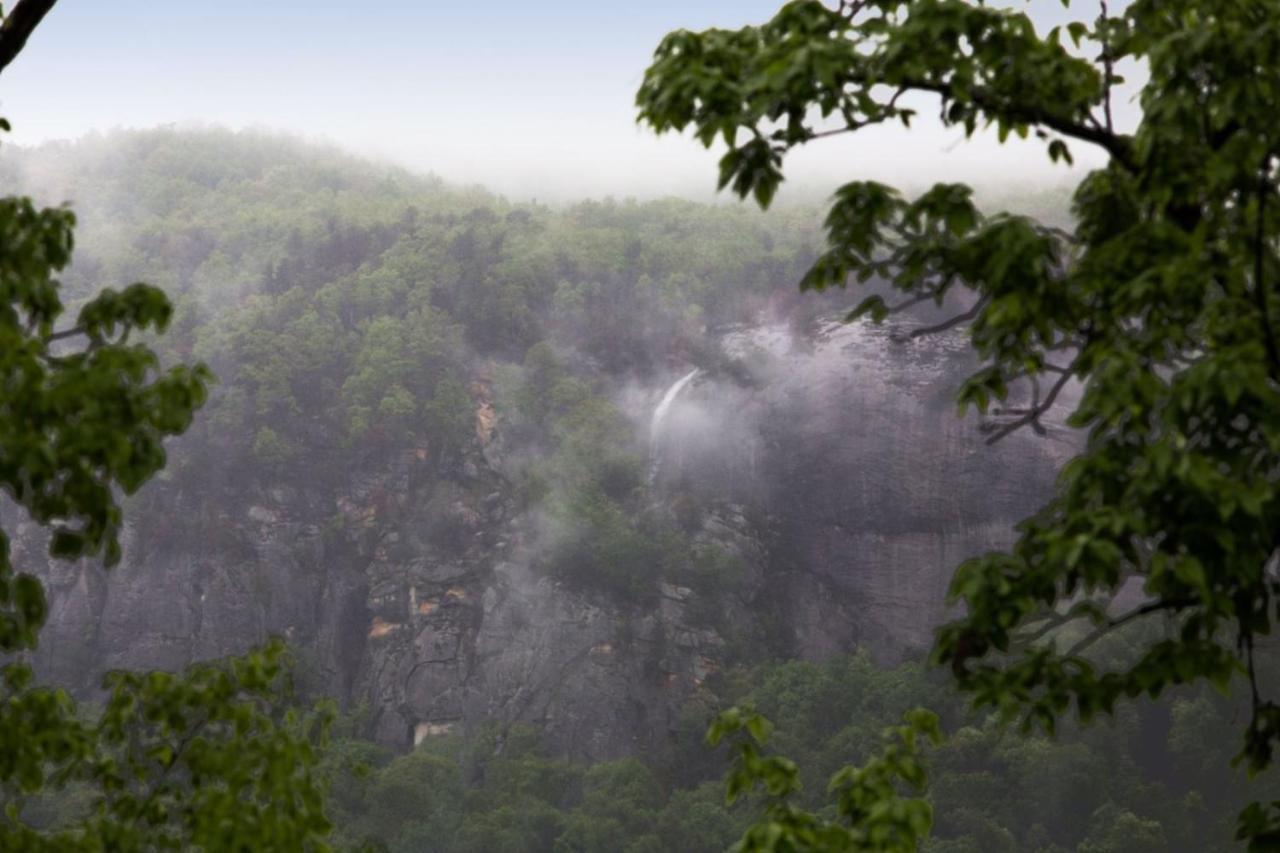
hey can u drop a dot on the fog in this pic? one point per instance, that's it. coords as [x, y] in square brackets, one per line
[530, 100]
[526, 444]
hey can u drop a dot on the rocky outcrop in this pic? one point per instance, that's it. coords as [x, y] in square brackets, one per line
[829, 462]
[848, 440]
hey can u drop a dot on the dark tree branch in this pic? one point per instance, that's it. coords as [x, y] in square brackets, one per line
[18, 26]
[64, 334]
[853, 124]
[1255, 693]
[1051, 623]
[1258, 705]
[851, 127]
[1259, 286]
[1054, 619]
[850, 8]
[1032, 416]
[1062, 234]
[1107, 70]
[951, 322]
[890, 310]
[1136, 613]
[1113, 143]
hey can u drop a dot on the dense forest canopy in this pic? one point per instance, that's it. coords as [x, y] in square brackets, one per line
[360, 333]
[1156, 304]
[353, 310]
[528, 495]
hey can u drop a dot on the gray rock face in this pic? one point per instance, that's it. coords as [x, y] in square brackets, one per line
[837, 472]
[850, 442]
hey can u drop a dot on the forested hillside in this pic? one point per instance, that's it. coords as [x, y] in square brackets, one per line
[349, 308]
[1156, 779]
[449, 459]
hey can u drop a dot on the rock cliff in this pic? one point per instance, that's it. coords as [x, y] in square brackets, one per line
[828, 460]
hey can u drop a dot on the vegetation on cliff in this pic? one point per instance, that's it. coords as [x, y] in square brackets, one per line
[361, 320]
[1157, 304]
[1156, 778]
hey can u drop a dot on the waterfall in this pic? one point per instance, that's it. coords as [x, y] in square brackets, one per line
[660, 414]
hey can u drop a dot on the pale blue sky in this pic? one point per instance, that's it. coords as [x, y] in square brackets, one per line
[533, 98]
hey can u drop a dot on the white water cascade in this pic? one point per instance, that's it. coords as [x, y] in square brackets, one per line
[660, 414]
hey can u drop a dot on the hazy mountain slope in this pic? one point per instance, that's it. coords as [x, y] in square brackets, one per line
[429, 462]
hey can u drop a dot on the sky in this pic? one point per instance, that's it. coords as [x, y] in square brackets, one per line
[533, 99]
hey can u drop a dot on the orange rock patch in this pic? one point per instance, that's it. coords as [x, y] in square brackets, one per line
[381, 628]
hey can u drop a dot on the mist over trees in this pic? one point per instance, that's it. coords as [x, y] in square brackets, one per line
[346, 332]
[1156, 303]
[211, 758]
[421, 402]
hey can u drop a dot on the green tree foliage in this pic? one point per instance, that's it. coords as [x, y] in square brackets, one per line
[448, 416]
[76, 421]
[415, 798]
[870, 814]
[210, 759]
[401, 376]
[602, 533]
[214, 758]
[361, 336]
[1158, 306]
[620, 799]
[1133, 781]
[386, 298]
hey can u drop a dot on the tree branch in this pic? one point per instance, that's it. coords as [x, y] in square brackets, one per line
[890, 310]
[1107, 70]
[851, 127]
[1032, 415]
[1053, 620]
[1259, 289]
[64, 334]
[1136, 613]
[951, 322]
[1060, 233]
[1255, 693]
[1114, 144]
[852, 124]
[18, 26]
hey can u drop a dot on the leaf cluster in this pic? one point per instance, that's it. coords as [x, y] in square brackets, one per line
[1148, 328]
[871, 811]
